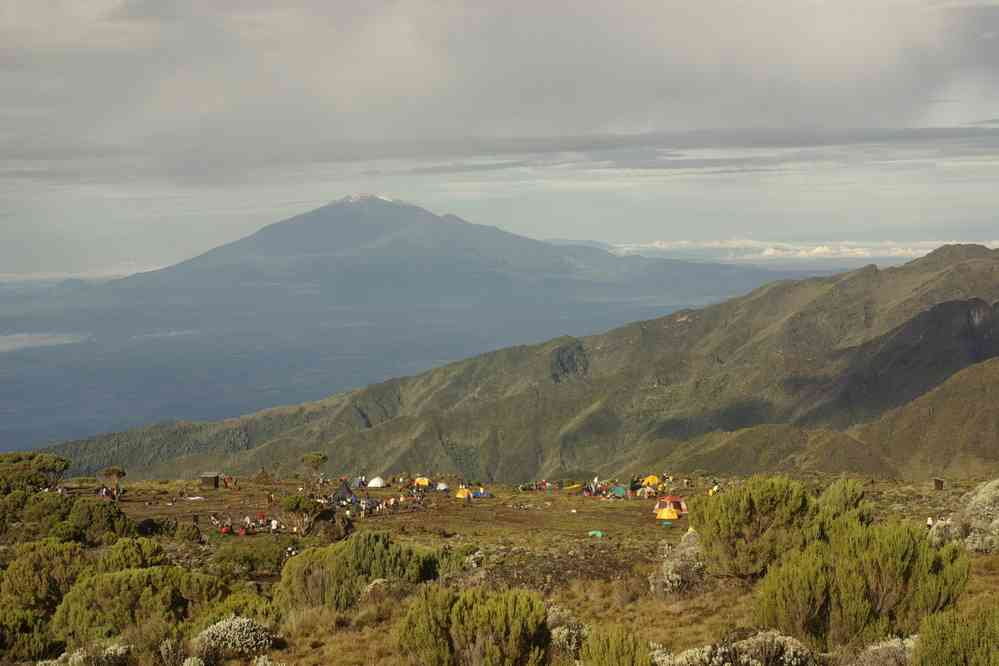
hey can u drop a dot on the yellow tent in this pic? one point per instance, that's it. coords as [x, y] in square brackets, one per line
[667, 514]
[463, 493]
[574, 488]
[651, 481]
[422, 482]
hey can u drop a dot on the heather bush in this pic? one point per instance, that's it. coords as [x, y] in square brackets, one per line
[443, 628]
[187, 532]
[844, 501]
[969, 637]
[335, 575]
[499, 628]
[866, 583]
[30, 472]
[232, 638]
[424, 633]
[129, 553]
[614, 646]
[746, 528]
[24, 633]
[102, 606]
[263, 556]
[97, 521]
[42, 511]
[40, 574]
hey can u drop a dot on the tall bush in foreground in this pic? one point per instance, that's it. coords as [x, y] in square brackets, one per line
[475, 628]
[335, 576]
[614, 646]
[866, 583]
[747, 528]
[970, 637]
[103, 606]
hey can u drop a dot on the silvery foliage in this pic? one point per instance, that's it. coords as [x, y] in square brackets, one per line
[112, 655]
[567, 634]
[767, 648]
[233, 637]
[682, 569]
[892, 652]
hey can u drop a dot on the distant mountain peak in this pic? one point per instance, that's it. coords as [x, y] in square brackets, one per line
[365, 197]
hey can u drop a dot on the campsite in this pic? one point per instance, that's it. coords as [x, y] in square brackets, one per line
[589, 553]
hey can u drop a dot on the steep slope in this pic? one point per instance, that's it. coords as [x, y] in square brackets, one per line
[952, 430]
[823, 352]
[355, 292]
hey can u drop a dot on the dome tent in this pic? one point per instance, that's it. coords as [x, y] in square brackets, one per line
[377, 482]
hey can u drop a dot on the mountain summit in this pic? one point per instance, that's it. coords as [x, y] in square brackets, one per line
[357, 291]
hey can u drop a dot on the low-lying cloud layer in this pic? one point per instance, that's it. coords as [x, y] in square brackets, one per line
[145, 131]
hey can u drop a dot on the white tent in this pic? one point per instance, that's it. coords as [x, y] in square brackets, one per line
[441, 486]
[377, 482]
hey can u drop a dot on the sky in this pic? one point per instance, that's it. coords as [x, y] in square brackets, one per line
[137, 133]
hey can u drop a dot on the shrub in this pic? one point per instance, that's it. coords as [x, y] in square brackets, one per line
[139, 553]
[970, 637]
[41, 573]
[239, 604]
[499, 628]
[442, 628]
[231, 638]
[102, 606]
[766, 648]
[301, 512]
[335, 576]
[843, 501]
[261, 555]
[892, 652]
[187, 532]
[43, 511]
[866, 583]
[614, 646]
[424, 634]
[98, 521]
[745, 529]
[24, 633]
[30, 472]
[682, 569]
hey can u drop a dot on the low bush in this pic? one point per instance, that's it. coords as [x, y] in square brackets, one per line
[238, 604]
[233, 638]
[336, 575]
[866, 583]
[187, 532]
[103, 606]
[42, 511]
[969, 637]
[614, 646]
[263, 555]
[745, 529]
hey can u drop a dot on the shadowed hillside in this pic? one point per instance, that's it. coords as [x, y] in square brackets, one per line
[823, 353]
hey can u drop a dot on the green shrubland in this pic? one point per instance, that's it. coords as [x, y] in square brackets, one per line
[139, 553]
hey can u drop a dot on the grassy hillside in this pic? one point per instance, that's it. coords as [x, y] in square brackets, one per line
[824, 353]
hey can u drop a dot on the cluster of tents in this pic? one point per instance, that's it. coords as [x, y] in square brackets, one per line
[420, 484]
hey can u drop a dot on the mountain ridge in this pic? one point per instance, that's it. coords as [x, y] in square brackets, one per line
[799, 354]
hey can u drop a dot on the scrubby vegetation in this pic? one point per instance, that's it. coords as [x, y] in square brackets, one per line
[777, 571]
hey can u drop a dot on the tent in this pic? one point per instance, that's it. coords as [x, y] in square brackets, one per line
[667, 514]
[377, 482]
[463, 493]
[646, 492]
[344, 494]
[574, 488]
[596, 534]
[619, 491]
[651, 481]
[674, 502]
[442, 486]
[421, 482]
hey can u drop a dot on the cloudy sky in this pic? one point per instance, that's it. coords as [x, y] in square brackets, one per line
[135, 133]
